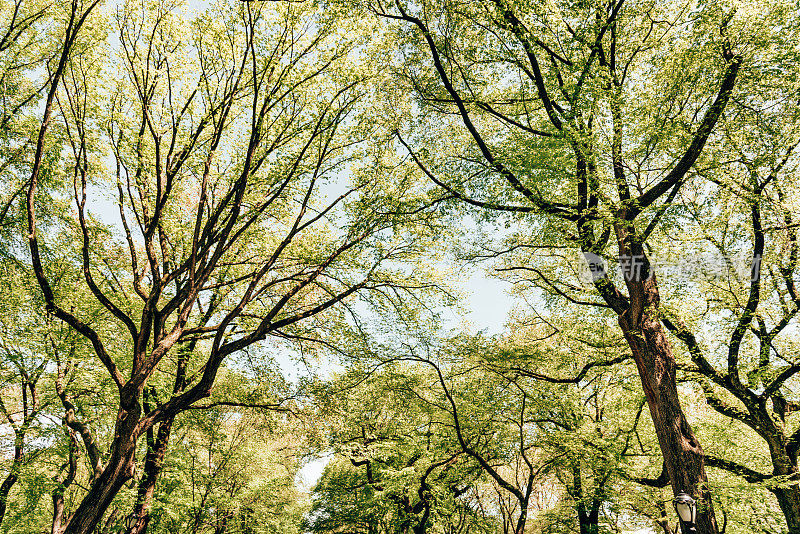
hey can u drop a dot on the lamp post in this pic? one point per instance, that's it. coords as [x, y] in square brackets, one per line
[686, 508]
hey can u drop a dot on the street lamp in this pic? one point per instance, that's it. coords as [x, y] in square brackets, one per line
[686, 509]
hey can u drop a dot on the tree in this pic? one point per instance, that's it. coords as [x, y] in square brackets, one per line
[206, 192]
[745, 368]
[395, 467]
[487, 400]
[225, 233]
[20, 24]
[590, 116]
[23, 394]
[502, 441]
[233, 471]
[556, 425]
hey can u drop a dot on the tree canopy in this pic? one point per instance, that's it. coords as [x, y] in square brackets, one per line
[238, 241]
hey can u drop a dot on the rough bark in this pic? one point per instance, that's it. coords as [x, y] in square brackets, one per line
[789, 501]
[119, 468]
[683, 454]
[788, 497]
[154, 460]
[641, 325]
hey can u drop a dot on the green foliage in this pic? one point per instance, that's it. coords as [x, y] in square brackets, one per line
[280, 194]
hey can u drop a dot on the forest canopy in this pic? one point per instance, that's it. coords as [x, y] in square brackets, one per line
[245, 248]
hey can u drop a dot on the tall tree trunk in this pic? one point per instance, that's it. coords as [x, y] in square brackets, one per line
[140, 517]
[523, 517]
[788, 496]
[682, 453]
[784, 463]
[789, 501]
[119, 469]
[640, 320]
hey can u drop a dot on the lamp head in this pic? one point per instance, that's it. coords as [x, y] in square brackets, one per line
[685, 507]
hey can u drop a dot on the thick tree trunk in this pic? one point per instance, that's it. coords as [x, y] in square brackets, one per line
[589, 523]
[119, 469]
[789, 501]
[421, 527]
[154, 461]
[788, 496]
[682, 453]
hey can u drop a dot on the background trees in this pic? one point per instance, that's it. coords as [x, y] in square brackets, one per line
[227, 233]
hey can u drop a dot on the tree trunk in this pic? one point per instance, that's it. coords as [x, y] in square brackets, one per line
[139, 519]
[13, 475]
[682, 453]
[593, 521]
[58, 512]
[119, 469]
[789, 501]
[154, 461]
[589, 523]
[784, 465]
[523, 518]
[61, 485]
